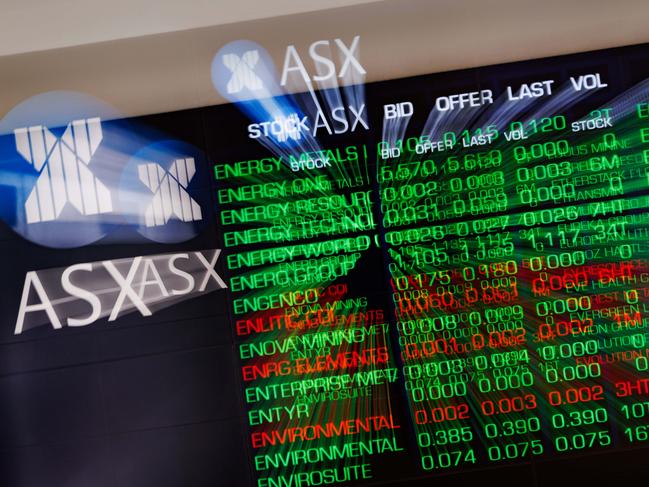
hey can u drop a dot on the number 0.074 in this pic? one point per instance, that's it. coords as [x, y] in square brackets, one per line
[447, 459]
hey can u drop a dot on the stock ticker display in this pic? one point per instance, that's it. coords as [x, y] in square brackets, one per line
[439, 279]
[461, 286]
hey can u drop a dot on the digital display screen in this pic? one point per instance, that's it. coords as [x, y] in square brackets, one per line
[461, 286]
[438, 279]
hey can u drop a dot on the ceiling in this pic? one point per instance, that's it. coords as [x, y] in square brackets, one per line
[153, 56]
[36, 25]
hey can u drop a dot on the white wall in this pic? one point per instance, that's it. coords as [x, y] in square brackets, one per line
[171, 71]
[36, 25]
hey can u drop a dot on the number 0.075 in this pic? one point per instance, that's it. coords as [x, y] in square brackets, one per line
[581, 441]
[510, 451]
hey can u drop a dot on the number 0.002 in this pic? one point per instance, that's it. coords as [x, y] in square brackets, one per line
[441, 414]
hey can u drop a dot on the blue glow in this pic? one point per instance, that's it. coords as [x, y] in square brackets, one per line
[18, 177]
[68, 177]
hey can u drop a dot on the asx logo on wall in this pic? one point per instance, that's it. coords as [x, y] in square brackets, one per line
[320, 91]
[72, 172]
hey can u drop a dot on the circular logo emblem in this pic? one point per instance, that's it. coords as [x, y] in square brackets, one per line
[58, 154]
[163, 191]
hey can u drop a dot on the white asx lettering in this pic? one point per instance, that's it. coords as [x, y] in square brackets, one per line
[81, 294]
[324, 65]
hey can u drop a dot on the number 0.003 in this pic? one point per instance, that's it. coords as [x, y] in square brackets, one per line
[507, 405]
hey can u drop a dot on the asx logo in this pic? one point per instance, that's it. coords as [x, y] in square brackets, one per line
[243, 69]
[295, 126]
[64, 176]
[73, 171]
[171, 198]
[320, 53]
[244, 73]
[81, 294]
[70, 179]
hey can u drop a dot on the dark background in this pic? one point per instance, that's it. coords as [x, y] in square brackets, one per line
[156, 401]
